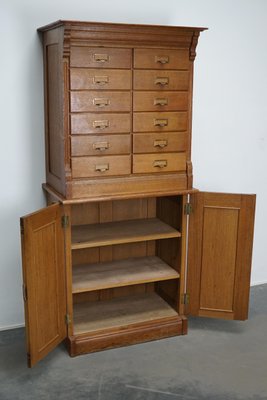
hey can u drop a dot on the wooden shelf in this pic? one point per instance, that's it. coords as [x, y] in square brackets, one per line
[131, 271]
[106, 234]
[120, 313]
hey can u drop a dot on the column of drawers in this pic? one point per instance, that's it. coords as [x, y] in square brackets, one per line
[160, 110]
[100, 105]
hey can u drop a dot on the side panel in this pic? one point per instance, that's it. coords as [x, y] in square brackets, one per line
[219, 255]
[44, 281]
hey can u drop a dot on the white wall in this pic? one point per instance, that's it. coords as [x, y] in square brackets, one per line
[230, 109]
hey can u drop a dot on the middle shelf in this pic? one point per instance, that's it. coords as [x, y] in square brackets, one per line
[118, 273]
[109, 233]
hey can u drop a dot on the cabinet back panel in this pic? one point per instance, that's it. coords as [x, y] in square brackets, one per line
[108, 294]
[119, 210]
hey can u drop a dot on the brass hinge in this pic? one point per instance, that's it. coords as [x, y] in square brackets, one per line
[24, 292]
[67, 319]
[21, 226]
[65, 221]
[185, 298]
[188, 208]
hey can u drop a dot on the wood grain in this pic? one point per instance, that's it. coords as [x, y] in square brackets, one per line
[146, 80]
[105, 101]
[44, 278]
[84, 123]
[126, 272]
[119, 313]
[86, 167]
[116, 58]
[104, 79]
[91, 145]
[109, 233]
[151, 101]
[159, 142]
[158, 163]
[148, 58]
[146, 121]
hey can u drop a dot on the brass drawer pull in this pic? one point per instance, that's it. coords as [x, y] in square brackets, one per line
[101, 124]
[160, 122]
[100, 102]
[101, 146]
[160, 102]
[160, 143]
[160, 163]
[162, 59]
[102, 167]
[162, 80]
[101, 80]
[101, 58]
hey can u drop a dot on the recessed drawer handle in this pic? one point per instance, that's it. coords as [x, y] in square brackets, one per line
[160, 143]
[102, 167]
[101, 80]
[101, 124]
[101, 58]
[160, 102]
[163, 81]
[100, 102]
[101, 146]
[162, 59]
[160, 163]
[160, 122]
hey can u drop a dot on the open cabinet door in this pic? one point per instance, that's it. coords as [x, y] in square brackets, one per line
[44, 284]
[219, 255]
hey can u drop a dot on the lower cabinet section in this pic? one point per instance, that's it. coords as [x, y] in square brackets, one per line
[126, 265]
[103, 274]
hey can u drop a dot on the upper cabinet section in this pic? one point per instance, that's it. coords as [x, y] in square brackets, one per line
[118, 108]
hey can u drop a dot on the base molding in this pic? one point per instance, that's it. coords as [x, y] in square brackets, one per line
[101, 340]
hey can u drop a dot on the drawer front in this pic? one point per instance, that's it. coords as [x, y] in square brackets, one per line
[156, 163]
[100, 123]
[161, 80]
[160, 121]
[100, 145]
[100, 80]
[100, 101]
[161, 59]
[154, 101]
[159, 142]
[86, 167]
[100, 57]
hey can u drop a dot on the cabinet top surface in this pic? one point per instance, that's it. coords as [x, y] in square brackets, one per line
[93, 25]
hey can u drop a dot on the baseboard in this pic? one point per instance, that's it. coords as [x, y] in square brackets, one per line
[7, 328]
[257, 283]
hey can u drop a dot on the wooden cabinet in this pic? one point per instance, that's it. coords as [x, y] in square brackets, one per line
[126, 247]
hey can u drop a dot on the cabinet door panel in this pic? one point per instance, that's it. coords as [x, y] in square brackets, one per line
[219, 255]
[44, 281]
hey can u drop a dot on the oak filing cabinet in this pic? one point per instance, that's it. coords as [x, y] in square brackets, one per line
[126, 248]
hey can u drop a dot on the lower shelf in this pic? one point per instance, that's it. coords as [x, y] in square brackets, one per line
[120, 312]
[123, 321]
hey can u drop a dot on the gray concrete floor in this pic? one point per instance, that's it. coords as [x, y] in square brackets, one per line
[221, 360]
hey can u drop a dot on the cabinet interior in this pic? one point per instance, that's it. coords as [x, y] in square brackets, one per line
[126, 261]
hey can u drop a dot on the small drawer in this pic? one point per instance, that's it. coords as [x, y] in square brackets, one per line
[100, 145]
[100, 57]
[161, 59]
[161, 80]
[100, 101]
[100, 123]
[153, 101]
[100, 80]
[155, 163]
[159, 142]
[86, 167]
[159, 121]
